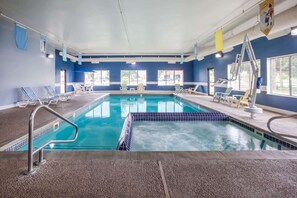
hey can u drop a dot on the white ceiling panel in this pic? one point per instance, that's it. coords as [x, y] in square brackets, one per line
[143, 27]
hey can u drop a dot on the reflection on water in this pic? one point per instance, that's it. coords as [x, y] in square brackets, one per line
[132, 105]
[101, 111]
[169, 106]
[129, 105]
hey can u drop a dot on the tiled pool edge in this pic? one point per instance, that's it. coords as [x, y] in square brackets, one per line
[124, 142]
[267, 134]
[18, 143]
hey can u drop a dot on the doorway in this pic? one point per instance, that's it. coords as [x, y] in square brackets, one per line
[63, 81]
[211, 81]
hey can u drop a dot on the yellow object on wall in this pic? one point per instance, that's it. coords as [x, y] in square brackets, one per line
[219, 40]
[266, 16]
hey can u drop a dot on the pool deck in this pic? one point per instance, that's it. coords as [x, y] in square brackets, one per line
[146, 174]
[152, 174]
[14, 121]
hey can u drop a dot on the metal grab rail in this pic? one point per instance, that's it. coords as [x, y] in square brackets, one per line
[281, 117]
[40, 149]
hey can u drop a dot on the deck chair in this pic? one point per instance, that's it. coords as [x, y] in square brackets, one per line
[240, 100]
[194, 90]
[32, 99]
[124, 87]
[222, 95]
[140, 87]
[62, 97]
[178, 88]
[78, 89]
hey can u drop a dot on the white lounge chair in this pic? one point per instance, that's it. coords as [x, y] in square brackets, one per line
[178, 88]
[124, 87]
[78, 89]
[62, 97]
[32, 99]
[222, 95]
[195, 90]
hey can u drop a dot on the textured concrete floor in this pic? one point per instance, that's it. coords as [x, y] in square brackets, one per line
[132, 174]
[14, 121]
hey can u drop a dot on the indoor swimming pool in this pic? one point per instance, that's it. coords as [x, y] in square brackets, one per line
[101, 125]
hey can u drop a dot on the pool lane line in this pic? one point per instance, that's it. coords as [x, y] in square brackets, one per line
[164, 180]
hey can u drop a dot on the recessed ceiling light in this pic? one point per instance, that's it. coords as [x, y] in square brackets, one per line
[50, 56]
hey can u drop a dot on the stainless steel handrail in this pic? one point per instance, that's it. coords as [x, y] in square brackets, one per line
[281, 117]
[40, 149]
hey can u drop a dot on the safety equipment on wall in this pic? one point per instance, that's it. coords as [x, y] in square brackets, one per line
[20, 37]
[255, 82]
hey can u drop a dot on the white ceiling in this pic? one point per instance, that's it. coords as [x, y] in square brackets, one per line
[145, 26]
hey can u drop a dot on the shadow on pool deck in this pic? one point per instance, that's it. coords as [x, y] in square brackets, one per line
[136, 174]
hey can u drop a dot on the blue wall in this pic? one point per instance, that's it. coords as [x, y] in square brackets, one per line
[69, 67]
[264, 49]
[20, 68]
[151, 68]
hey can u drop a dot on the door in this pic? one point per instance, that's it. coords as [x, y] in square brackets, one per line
[62, 81]
[211, 81]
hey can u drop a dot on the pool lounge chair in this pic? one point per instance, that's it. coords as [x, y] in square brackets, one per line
[78, 89]
[178, 88]
[140, 87]
[240, 100]
[222, 95]
[32, 99]
[124, 87]
[194, 90]
[62, 97]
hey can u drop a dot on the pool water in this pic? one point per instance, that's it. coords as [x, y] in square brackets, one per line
[100, 126]
[194, 136]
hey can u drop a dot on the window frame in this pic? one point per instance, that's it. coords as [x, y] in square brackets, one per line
[93, 78]
[174, 75]
[137, 71]
[269, 77]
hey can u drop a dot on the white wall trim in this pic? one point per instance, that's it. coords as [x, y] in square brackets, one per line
[275, 110]
[7, 106]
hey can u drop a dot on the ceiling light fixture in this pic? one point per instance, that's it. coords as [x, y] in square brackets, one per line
[219, 54]
[50, 56]
[133, 63]
[294, 31]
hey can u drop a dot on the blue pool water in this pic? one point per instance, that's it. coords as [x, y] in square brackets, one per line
[100, 126]
[195, 136]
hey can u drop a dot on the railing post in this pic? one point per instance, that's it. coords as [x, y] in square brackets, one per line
[41, 160]
[31, 153]
[30, 147]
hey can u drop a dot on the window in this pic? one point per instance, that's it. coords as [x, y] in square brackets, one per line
[282, 75]
[244, 78]
[133, 77]
[170, 77]
[98, 77]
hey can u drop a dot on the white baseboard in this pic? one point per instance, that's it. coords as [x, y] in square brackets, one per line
[275, 110]
[7, 106]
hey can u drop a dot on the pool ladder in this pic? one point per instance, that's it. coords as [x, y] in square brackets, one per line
[31, 153]
[281, 117]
